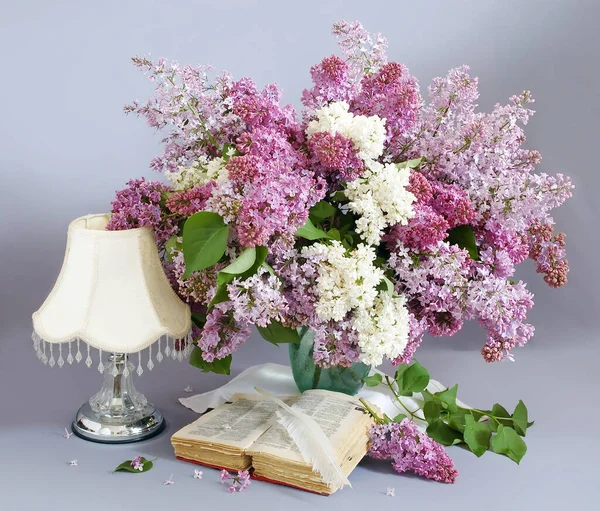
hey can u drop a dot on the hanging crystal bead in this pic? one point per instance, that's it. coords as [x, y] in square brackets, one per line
[140, 370]
[159, 355]
[51, 361]
[61, 360]
[88, 360]
[44, 356]
[167, 349]
[101, 363]
[150, 364]
[70, 356]
[78, 356]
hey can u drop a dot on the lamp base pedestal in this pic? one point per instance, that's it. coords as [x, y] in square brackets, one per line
[118, 413]
[95, 427]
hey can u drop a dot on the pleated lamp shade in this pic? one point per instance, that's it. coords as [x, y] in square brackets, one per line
[113, 295]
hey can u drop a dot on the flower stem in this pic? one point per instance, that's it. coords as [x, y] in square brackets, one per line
[378, 419]
[413, 414]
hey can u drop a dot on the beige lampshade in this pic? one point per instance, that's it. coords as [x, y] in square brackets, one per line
[112, 294]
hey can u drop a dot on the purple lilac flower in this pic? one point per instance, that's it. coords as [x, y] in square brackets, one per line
[336, 344]
[425, 229]
[137, 464]
[257, 300]
[190, 201]
[335, 156]
[138, 205]
[392, 94]
[411, 450]
[222, 335]
[239, 482]
[364, 55]
[331, 83]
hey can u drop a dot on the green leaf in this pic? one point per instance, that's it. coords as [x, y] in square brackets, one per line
[444, 434]
[414, 379]
[198, 319]
[457, 420]
[373, 381]
[204, 241]
[322, 210]
[477, 435]
[218, 365]
[339, 196]
[275, 333]
[334, 234]
[508, 442]
[171, 244]
[220, 296]
[126, 466]
[411, 164]
[386, 285]
[500, 413]
[310, 232]
[241, 264]
[519, 418]
[464, 237]
[399, 418]
[448, 397]
[432, 411]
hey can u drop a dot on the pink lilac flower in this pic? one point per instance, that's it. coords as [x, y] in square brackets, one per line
[331, 83]
[425, 229]
[420, 187]
[335, 344]
[336, 156]
[392, 94]
[257, 300]
[548, 251]
[411, 450]
[138, 205]
[200, 287]
[196, 110]
[137, 464]
[190, 201]
[239, 482]
[222, 335]
[453, 203]
[364, 55]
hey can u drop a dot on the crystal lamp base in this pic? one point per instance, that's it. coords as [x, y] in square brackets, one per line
[118, 413]
[92, 426]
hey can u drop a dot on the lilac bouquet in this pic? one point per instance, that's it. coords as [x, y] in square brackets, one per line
[373, 218]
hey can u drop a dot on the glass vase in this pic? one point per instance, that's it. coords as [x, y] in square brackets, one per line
[308, 375]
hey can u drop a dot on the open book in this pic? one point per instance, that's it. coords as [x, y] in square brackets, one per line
[243, 434]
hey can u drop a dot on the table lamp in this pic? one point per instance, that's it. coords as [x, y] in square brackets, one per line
[112, 296]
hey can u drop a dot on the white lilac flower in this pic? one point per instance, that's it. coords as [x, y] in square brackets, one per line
[197, 474]
[73, 463]
[202, 171]
[68, 434]
[381, 199]
[366, 133]
[169, 481]
[383, 329]
[391, 492]
[346, 280]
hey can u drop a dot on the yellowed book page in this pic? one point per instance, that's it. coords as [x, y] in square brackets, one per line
[238, 423]
[338, 415]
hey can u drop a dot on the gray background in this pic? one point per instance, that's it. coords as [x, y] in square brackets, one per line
[65, 147]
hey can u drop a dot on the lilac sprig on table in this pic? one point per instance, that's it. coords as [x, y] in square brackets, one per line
[448, 423]
[137, 465]
[238, 482]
